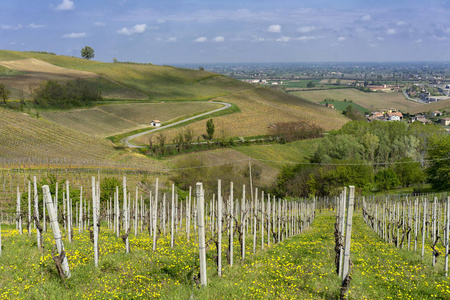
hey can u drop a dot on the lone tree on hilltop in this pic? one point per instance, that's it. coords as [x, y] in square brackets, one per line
[4, 93]
[210, 128]
[87, 52]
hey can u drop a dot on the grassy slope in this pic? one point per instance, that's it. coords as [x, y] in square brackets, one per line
[260, 108]
[342, 106]
[367, 100]
[278, 156]
[157, 82]
[430, 107]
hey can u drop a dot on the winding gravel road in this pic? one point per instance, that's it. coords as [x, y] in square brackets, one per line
[128, 138]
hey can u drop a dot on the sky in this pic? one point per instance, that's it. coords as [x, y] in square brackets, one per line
[231, 31]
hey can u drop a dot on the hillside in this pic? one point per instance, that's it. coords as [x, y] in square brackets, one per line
[74, 135]
[147, 81]
[25, 139]
[439, 105]
[260, 108]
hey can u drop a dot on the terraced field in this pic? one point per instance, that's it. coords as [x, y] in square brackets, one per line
[112, 119]
[261, 108]
[371, 101]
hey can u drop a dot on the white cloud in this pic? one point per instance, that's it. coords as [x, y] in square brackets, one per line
[74, 35]
[11, 27]
[341, 38]
[172, 39]
[201, 39]
[390, 31]
[65, 5]
[257, 39]
[139, 28]
[99, 24]
[160, 21]
[35, 26]
[380, 38]
[219, 39]
[306, 38]
[418, 41]
[401, 23]
[366, 18]
[274, 28]
[306, 29]
[283, 39]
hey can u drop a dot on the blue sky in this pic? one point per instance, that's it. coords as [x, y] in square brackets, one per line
[199, 31]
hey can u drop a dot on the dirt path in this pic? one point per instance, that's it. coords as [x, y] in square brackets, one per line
[127, 139]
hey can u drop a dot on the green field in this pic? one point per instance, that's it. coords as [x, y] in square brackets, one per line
[278, 156]
[370, 101]
[342, 106]
[300, 267]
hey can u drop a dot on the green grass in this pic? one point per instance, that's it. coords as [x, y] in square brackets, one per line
[301, 83]
[279, 155]
[342, 106]
[156, 82]
[301, 267]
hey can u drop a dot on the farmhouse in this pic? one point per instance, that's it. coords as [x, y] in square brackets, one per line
[155, 123]
[445, 121]
[395, 116]
[436, 113]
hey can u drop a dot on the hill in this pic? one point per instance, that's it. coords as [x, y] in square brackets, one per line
[147, 81]
[261, 108]
[28, 140]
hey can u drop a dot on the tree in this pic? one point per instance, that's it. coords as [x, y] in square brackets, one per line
[438, 173]
[310, 84]
[210, 128]
[386, 179]
[87, 52]
[409, 172]
[4, 93]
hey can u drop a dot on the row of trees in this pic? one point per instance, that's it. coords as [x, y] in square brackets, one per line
[378, 155]
[75, 93]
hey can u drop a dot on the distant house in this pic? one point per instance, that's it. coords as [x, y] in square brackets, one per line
[330, 106]
[445, 121]
[155, 123]
[395, 116]
[436, 113]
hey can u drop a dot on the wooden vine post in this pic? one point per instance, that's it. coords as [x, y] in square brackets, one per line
[348, 234]
[155, 215]
[125, 216]
[56, 232]
[219, 228]
[36, 213]
[94, 222]
[201, 233]
[446, 232]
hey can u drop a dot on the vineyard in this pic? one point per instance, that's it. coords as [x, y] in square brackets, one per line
[27, 140]
[112, 119]
[260, 109]
[148, 239]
